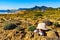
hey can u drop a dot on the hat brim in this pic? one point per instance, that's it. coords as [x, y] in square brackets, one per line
[43, 28]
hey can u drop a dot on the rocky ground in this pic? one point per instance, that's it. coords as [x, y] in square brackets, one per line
[24, 19]
[52, 34]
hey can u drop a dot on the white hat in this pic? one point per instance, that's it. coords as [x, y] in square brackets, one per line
[42, 26]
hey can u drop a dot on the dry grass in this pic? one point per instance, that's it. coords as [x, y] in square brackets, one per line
[26, 20]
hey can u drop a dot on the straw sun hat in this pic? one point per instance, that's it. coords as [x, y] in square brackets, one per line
[42, 26]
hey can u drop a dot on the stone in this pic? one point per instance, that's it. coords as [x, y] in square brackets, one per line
[51, 34]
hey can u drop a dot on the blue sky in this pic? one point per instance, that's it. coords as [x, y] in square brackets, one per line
[15, 4]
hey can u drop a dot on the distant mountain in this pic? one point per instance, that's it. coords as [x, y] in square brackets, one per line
[22, 8]
[33, 8]
[44, 7]
[36, 7]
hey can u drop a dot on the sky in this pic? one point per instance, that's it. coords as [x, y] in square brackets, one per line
[15, 4]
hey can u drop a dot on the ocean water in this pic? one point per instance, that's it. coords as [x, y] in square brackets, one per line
[5, 13]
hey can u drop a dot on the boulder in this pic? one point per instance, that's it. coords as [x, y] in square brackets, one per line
[51, 34]
[58, 30]
[48, 22]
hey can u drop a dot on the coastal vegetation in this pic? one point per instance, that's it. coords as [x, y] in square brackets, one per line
[21, 24]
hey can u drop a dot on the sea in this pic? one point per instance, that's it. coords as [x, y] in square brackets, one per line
[5, 13]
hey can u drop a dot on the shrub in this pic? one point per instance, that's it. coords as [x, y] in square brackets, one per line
[2, 19]
[31, 28]
[9, 26]
[34, 18]
[56, 24]
[48, 22]
[38, 14]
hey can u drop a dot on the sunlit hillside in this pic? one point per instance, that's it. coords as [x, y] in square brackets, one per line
[23, 19]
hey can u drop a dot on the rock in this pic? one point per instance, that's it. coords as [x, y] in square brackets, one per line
[48, 22]
[52, 38]
[51, 34]
[56, 24]
[58, 30]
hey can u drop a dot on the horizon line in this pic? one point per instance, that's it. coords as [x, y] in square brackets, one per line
[26, 7]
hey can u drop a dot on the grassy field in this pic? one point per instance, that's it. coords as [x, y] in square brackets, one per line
[28, 18]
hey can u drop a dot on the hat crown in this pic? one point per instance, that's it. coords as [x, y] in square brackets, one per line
[41, 26]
